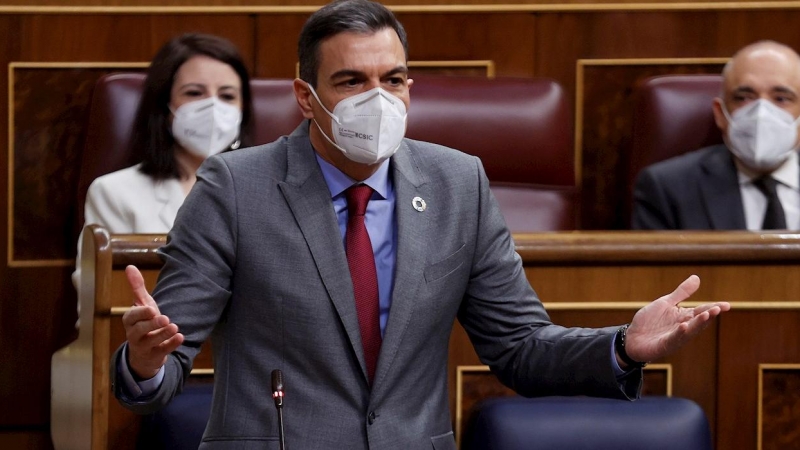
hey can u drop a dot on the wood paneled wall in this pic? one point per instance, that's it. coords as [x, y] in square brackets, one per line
[46, 45]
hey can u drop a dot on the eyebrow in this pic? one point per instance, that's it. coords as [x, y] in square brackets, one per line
[783, 90]
[776, 89]
[344, 73]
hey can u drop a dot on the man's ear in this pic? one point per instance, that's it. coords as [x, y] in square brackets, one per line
[303, 95]
[719, 116]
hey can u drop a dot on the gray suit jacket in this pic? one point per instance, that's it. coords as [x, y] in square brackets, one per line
[695, 191]
[256, 261]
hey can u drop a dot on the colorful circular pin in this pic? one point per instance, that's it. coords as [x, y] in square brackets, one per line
[418, 203]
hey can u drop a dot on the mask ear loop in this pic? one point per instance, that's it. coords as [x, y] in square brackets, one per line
[314, 93]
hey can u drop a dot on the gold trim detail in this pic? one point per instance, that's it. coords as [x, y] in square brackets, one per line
[485, 8]
[487, 64]
[760, 419]
[665, 367]
[594, 306]
[12, 66]
[202, 372]
[579, 82]
[460, 371]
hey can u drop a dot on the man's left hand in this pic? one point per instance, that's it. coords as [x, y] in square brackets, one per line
[662, 326]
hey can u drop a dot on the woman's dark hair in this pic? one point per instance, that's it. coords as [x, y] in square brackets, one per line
[152, 133]
[357, 16]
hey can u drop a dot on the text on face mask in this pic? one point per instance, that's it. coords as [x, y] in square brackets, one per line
[349, 134]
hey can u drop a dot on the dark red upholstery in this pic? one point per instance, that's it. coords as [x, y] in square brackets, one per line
[673, 115]
[520, 128]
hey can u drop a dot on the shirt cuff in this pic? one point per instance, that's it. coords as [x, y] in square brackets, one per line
[133, 388]
[618, 372]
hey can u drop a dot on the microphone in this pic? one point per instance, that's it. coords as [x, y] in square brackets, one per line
[277, 397]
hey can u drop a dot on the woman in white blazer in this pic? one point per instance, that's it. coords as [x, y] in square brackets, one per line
[196, 102]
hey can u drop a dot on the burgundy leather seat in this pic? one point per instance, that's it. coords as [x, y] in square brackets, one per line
[672, 115]
[520, 128]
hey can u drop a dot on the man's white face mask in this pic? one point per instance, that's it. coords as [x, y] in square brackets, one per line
[206, 127]
[761, 134]
[369, 127]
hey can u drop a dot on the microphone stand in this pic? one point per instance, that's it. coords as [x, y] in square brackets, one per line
[277, 396]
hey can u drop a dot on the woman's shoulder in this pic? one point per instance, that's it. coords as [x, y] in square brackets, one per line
[127, 177]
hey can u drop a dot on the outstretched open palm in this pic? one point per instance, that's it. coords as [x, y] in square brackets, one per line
[662, 326]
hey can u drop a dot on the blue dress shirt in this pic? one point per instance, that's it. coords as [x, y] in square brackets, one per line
[379, 220]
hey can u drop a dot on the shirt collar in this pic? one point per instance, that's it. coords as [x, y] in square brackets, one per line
[787, 174]
[338, 182]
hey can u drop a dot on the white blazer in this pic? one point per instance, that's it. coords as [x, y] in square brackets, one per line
[130, 202]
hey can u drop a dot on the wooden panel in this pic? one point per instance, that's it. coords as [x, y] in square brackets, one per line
[93, 37]
[779, 408]
[433, 37]
[51, 106]
[748, 339]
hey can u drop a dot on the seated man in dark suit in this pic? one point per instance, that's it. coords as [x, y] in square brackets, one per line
[753, 180]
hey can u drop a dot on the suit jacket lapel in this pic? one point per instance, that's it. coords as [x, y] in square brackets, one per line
[721, 194]
[413, 232]
[310, 202]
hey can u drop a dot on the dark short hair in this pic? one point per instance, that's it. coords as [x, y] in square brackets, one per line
[357, 16]
[151, 136]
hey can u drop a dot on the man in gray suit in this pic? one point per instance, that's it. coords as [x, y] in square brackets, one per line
[263, 259]
[753, 180]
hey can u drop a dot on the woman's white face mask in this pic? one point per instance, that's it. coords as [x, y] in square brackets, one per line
[761, 134]
[369, 127]
[206, 127]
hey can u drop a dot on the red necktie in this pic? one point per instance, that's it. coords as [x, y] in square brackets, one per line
[365, 277]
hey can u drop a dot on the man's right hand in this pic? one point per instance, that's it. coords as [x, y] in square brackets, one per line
[151, 336]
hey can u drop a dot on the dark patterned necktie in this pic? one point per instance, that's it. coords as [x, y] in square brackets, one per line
[361, 261]
[774, 218]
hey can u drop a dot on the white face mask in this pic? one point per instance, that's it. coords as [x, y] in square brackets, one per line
[369, 127]
[761, 134]
[206, 127]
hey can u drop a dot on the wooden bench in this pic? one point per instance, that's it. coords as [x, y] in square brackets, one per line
[736, 369]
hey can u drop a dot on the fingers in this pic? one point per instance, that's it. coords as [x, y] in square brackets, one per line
[136, 281]
[718, 308]
[150, 342]
[684, 290]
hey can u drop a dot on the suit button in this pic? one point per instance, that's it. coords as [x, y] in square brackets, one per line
[371, 417]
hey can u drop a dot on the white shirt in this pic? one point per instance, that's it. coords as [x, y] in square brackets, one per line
[788, 187]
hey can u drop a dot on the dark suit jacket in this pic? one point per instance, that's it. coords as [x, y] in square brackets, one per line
[256, 261]
[695, 191]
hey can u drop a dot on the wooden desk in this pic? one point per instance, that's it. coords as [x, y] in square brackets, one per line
[744, 369]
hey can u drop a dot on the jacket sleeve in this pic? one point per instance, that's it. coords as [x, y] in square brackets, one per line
[512, 332]
[194, 285]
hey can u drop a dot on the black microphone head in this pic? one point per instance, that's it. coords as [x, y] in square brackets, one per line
[277, 380]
